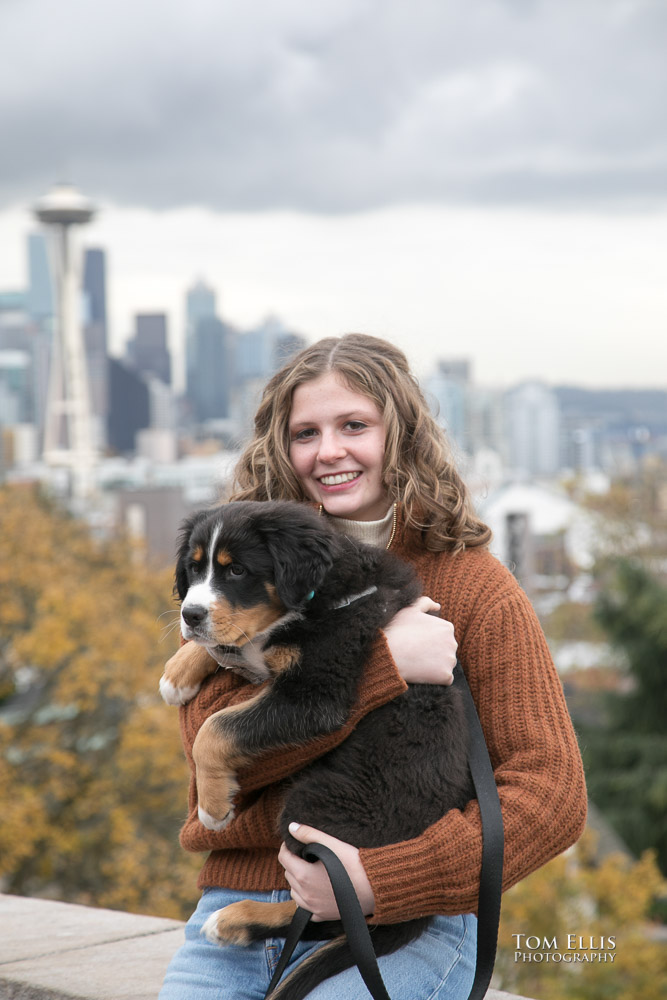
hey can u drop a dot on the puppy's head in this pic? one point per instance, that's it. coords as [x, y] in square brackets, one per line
[243, 566]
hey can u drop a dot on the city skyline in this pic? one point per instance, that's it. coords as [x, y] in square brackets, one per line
[525, 301]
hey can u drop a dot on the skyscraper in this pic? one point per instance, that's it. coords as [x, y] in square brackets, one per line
[200, 304]
[533, 429]
[449, 388]
[260, 353]
[95, 288]
[213, 369]
[148, 352]
[41, 300]
[95, 337]
[129, 406]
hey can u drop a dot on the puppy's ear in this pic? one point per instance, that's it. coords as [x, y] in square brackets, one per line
[181, 574]
[301, 550]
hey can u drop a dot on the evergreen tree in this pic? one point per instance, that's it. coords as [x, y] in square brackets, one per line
[626, 758]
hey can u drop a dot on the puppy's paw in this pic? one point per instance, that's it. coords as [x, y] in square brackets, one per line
[174, 695]
[211, 823]
[222, 927]
[210, 929]
[249, 920]
[185, 673]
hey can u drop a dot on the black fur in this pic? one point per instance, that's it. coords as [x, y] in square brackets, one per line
[405, 764]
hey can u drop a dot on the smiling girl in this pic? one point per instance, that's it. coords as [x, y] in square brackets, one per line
[345, 426]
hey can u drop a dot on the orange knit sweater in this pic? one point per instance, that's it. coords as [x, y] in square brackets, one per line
[528, 732]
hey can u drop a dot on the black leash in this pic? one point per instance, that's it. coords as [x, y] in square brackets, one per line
[493, 843]
[353, 920]
[490, 880]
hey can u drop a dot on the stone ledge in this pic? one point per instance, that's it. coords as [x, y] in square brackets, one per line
[59, 951]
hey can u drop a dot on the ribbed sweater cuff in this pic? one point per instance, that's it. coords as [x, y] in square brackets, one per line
[382, 681]
[397, 872]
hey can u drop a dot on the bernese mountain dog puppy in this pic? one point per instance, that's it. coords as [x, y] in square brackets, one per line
[272, 591]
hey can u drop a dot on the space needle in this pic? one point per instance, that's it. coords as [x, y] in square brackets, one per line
[68, 433]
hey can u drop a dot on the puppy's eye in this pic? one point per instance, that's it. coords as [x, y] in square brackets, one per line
[236, 569]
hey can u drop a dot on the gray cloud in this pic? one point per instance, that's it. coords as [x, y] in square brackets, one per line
[337, 105]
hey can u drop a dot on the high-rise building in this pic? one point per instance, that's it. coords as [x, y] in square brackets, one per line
[95, 338]
[15, 385]
[129, 406]
[95, 287]
[212, 373]
[147, 351]
[532, 429]
[200, 303]
[263, 350]
[448, 390]
[260, 353]
[40, 319]
[20, 333]
[41, 299]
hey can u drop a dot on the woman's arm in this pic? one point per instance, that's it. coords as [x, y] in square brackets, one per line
[419, 641]
[380, 683]
[416, 647]
[537, 767]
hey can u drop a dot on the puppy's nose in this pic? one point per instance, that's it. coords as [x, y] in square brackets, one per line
[194, 615]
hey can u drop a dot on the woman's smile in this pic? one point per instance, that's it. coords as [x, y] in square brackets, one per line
[337, 448]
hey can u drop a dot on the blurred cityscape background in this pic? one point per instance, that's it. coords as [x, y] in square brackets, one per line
[485, 185]
[166, 431]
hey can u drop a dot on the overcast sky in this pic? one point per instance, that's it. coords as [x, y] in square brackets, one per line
[391, 164]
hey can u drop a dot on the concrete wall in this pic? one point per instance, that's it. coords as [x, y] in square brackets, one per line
[58, 951]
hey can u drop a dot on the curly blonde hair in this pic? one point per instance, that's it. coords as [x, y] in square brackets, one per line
[418, 469]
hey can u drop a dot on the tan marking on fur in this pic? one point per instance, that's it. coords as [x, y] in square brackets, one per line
[189, 666]
[281, 658]
[319, 955]
[217, 759]
[236, 626]
[224, 558]
[235, 921]
[198, 554]
[273, 597]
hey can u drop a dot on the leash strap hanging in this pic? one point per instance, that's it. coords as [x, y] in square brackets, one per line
[490, 882]
[294, 932]
[493, 843]
[353, 920]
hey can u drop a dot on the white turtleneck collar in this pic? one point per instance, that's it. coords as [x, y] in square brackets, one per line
[371, 532]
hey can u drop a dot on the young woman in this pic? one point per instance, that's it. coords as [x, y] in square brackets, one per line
[345, 426]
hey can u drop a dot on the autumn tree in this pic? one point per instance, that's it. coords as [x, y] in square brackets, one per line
[578, 895]
[92, 774]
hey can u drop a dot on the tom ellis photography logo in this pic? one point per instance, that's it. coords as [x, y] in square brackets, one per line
[571, 948]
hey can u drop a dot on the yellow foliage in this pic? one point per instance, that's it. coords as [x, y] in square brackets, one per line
[92, 773]
[576, 897]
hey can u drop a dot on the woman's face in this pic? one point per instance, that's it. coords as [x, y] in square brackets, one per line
[337, 446]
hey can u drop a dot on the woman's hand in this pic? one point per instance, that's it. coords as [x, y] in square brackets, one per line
[309, 882]
[422, 645]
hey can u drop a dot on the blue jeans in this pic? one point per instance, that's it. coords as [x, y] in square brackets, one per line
[439, 964]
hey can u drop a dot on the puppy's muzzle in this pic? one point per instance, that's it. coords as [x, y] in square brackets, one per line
[194, 615]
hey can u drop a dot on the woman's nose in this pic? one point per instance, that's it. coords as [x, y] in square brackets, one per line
[331, 447]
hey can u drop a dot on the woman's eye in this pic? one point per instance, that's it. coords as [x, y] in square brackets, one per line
[236, 569]
[355, 425]
[304, 435]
